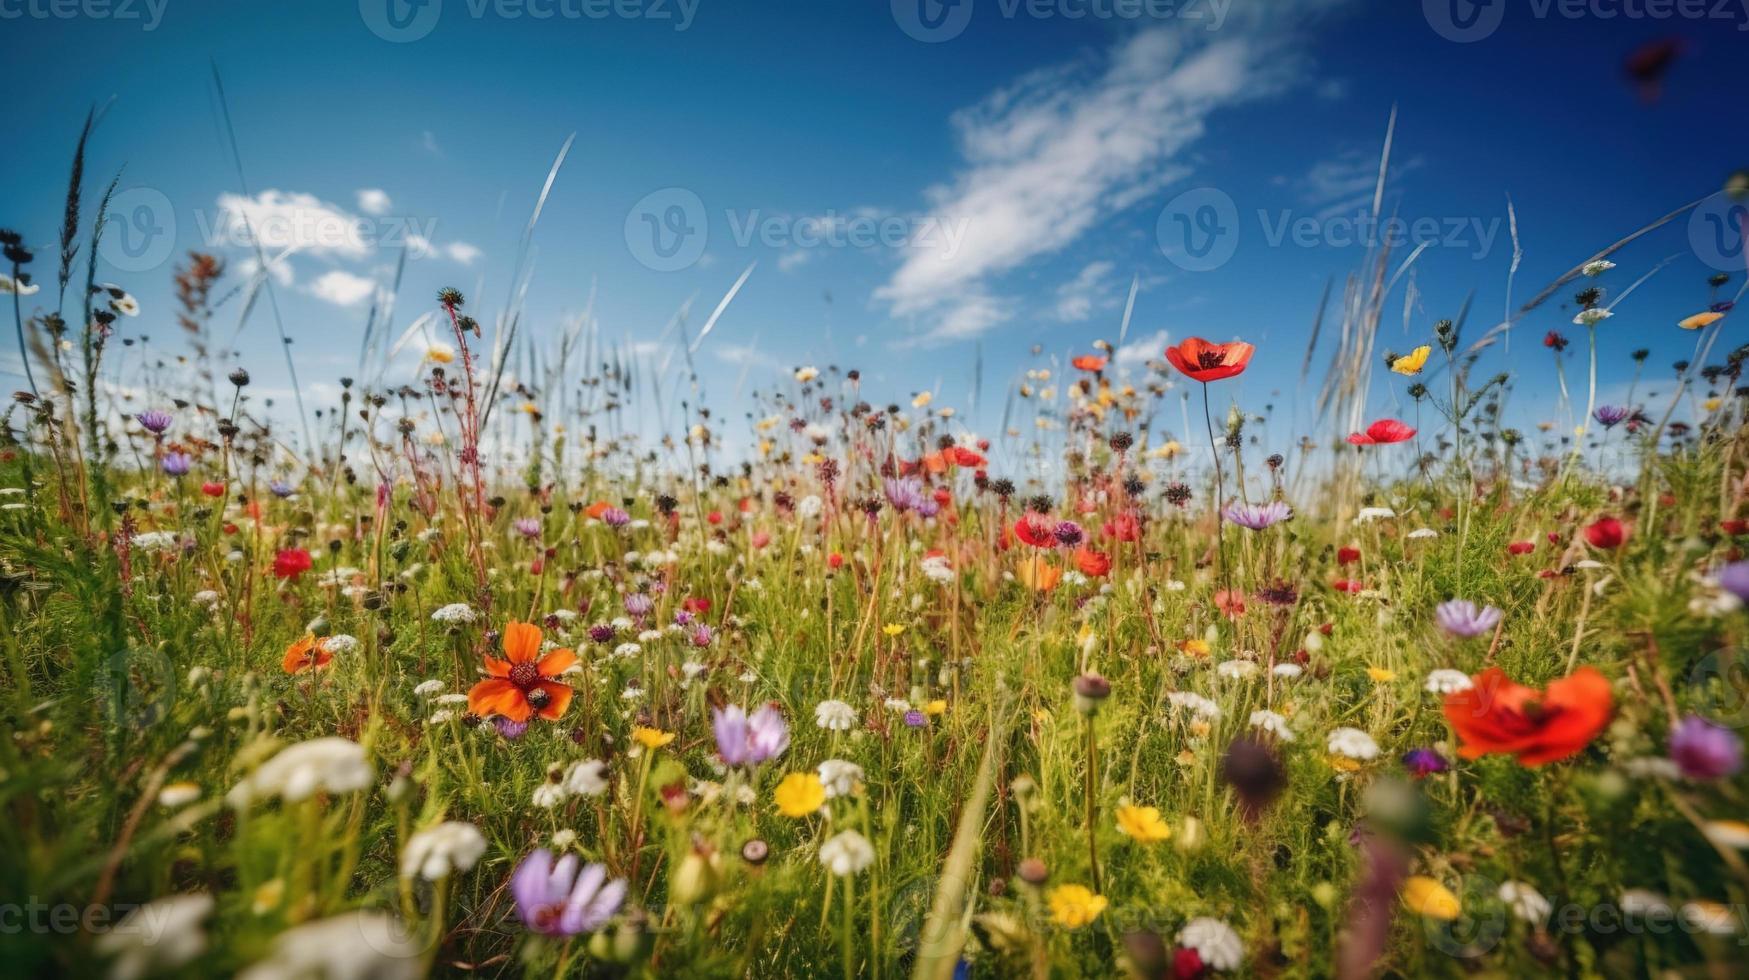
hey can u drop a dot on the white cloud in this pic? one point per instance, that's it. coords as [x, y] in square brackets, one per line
[428, 143]
[1344, 184]
[278, 220]
[462, 252]
[342, 288]
[372, 200]
[281, 271]
[1143, 349]
[1077, 297]
[1063, 149]
[792, 260]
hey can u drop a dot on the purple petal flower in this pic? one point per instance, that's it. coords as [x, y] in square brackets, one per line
[177, 464]
[553, 899]
[155, 421]
[702, 636]
[1069, 534]
[1734, 578]
[281, 489]
[1703, 750]
[1460, 617]
[639, 605]
[1257, 516]
[528, 527]
[915, 718]
[1422, 763]
[744, 740]
[615, 517]
[904, 493]
[1611, 415]
[511, 730]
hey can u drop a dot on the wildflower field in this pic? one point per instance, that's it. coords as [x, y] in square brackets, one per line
[477, 680]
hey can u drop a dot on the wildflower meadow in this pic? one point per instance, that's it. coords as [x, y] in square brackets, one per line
[503, 653]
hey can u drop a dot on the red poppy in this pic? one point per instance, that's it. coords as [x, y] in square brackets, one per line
[697, 605]
[1383, 433]
[761, 539]
[834, 560]
[715, 517]
[962, 456]
[308, 653]
[1036, 529]
[1123, 527]
[1607, 533]
[1230, 602]
[1347, 556]
[1348, 585]
[1734, 527]
[1205, 362]
[1089, 362]
[1093, 564]
[943, 496]
[1497, 715]
[291, 562]
[213, 489]
[522, 686]
[1521, 547]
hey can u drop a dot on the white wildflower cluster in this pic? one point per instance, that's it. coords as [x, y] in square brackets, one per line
[1203, 708]
[1272, 723]
[330, 765]
[454, 614]
[354, 944]
[836, 716]
[585, 778]
[846, 853]
[1444, 680]
[1215, 943]
[839, 777]
[437, 852]
[1352, 743]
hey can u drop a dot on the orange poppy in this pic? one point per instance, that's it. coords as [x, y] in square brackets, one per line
[522, 685]
[1203, 361]
[1038, 575]
[595, 510]
[1093, 564]
[1089, 362]
[307, 653]
[1500, 715]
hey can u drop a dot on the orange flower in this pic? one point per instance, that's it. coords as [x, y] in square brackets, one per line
[1038, 575]
[523, 685]
[1499, 715]
[307, 653]
[1205, 362]
[1093, 564]
[595, 510]
[1089, 362]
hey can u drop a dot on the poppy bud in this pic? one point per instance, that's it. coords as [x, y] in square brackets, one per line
[1091, 690]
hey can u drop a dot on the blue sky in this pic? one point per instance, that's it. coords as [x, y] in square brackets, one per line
[1009, 180]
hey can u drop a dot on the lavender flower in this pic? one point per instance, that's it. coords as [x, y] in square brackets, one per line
[1703, 750]
[281, 489]
[1257, 516]
[702, 636]
[1734, 578]
[177, 464]
[155, 421]
[553, 899]
[1460, 617]
[528, 527]
[511, 730]
[1611, 415]
[916, 719]
[639, 605]
[615, 517]
[748, 741]
[904, 493]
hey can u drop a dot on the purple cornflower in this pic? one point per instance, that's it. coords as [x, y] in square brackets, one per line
[928, 508]
[553, 899]
[639, 605]
[528, 527]
[177, 464]
[702, 636]
[615, 517]
[511, 730]
[1611, 415]
[1703, 750]
[682, 617]
[601, 633]
[281, 489]
[1068, 533]
[1257, 516]
[748, 741]
[1460, 617]
[1422, 763]
[155, 421]
[904, 493]
[1734, 578]
[916, 719]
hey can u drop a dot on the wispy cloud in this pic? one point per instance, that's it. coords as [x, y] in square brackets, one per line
[1143, 349]
[1077, 298]
[373, 200]
[1051, 156]
[342, 288]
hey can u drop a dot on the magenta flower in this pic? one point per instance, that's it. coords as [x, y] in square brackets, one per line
[1734, 578]
[615, 517]
[744, 740]
[528, 527]
[904, 493]
[155, 420]
[1422, 763]
[553, 899]
[1257, 516]
[1460, 617]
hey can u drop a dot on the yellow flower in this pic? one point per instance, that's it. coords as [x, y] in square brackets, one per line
[1074, 906]
[1196, 647]
[768, 423]
[1410, 364]
[1380, 675]
[1038, 575]
[1426, 896]
[765, 447]
[1700, 320]
[652, 738]
[440, 353]
[530, 408]
[1199, 729]
[1143, 823]
[936, 707]
[923, 398]
[1167, 449]
[800, 794]
[813, 459]
[893, 629]
[1186, 758]
[807, 374]
[1712, 404]
[1342, 763]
